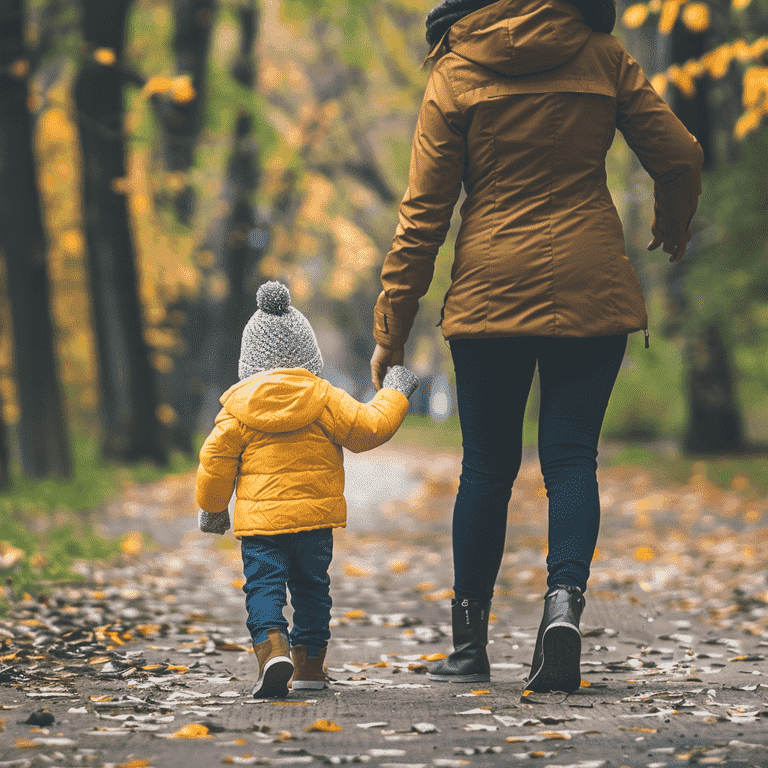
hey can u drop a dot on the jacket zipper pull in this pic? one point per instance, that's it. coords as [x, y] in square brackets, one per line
[647, 338]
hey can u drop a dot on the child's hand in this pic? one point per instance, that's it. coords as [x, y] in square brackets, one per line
[402, 380]
[213, 522]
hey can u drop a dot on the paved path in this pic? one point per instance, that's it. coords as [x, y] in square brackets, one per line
[148, 665]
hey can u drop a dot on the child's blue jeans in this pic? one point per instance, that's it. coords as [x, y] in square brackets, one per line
[300, 561]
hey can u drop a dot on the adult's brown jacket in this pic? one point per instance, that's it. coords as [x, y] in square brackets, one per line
[521, 107]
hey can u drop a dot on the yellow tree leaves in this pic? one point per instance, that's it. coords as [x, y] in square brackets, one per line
[755, 100]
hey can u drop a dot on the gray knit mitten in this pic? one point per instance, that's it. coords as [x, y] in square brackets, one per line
[402, 380]
[213, 522]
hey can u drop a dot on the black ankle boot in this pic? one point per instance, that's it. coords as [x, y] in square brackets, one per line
[469, 661]
[557, 655]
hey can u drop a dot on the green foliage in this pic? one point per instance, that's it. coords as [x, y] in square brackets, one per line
[45, 518]
[50, 549]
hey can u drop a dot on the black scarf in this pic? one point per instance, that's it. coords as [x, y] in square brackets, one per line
[600, 15]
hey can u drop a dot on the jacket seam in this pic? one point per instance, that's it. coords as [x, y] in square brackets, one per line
[550, 216]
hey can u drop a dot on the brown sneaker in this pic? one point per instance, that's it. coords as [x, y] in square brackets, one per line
[275, 666]
[308, 673]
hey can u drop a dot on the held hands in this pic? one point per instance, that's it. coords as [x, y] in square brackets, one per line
[213, 522]
[676, 247]
[382, 359]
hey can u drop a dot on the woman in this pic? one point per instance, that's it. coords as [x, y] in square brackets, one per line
[521, 108]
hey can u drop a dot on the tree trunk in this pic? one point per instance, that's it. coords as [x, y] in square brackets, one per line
[182, 122]
[714, 421]
[42, 431]
[238, 242]
[130, 428]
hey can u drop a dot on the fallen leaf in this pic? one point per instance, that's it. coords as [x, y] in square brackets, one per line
[135, 764]
[192, 731]
[326, 726]
[356, 614]
[433, 656]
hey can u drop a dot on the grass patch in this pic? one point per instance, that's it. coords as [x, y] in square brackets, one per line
[43, 528]
[744, 474]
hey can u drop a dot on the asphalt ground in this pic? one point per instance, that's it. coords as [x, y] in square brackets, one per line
[147, 662]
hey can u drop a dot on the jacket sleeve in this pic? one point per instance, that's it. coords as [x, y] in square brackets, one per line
[438, 156]
[220, 462]
[362, 426]
[668, 152]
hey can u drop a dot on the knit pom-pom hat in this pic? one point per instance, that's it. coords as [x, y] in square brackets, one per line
[278, 335]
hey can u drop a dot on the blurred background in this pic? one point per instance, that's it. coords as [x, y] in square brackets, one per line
[160, 159]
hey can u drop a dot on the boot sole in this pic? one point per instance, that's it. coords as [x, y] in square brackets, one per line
[308, 685]
[560, 667]
[273, 681]
[459, 678]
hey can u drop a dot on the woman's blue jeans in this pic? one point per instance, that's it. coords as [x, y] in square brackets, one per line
[493, 380]
[299, 561]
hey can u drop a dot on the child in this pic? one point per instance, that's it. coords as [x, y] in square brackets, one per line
[279, 438]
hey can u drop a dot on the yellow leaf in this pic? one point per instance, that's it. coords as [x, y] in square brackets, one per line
[424, 586]
[356, 614]
[131, 544]
[398, 566]
[740, 5]
[585, 684]
[554, 735]
[135, 764]
[433, 656]
[327, 726]
[180, 668]
[157, 84]
[148, 629]
[747, 123]
[100, 698]
[755, 88]
[238, 583]
[182, 91]
[72, 242]
[351, 569]
[635, 16]
[98, 660]
[682, 80]
[644, 554]
[480, 693]
[192, 731]
[26, 744]
[659, 83]
[669, 12]
[717, 62]
[442, 594]
[290, 703]
[105, 56]
[696, 17]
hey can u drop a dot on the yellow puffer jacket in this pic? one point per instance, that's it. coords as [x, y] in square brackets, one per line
[279, 437]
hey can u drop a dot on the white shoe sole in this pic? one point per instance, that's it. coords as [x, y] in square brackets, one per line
[273, 680]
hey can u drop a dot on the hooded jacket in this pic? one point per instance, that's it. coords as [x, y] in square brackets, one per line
[521, 108]
[279, 438]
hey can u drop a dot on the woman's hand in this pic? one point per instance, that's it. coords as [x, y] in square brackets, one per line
[675, 248]
[382, 359]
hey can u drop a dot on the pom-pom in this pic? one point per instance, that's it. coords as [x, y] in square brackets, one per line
[273, 298]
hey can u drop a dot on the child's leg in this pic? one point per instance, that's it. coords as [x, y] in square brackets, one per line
[266, 564]
[309, 584]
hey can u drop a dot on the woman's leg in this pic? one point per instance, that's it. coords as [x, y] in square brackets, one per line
[493, 379]
[577, 377]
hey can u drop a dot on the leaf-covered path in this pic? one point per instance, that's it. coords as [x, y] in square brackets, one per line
[148, 662]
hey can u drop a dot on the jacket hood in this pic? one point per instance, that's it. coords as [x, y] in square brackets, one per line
[520, 37]
[277, 401]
